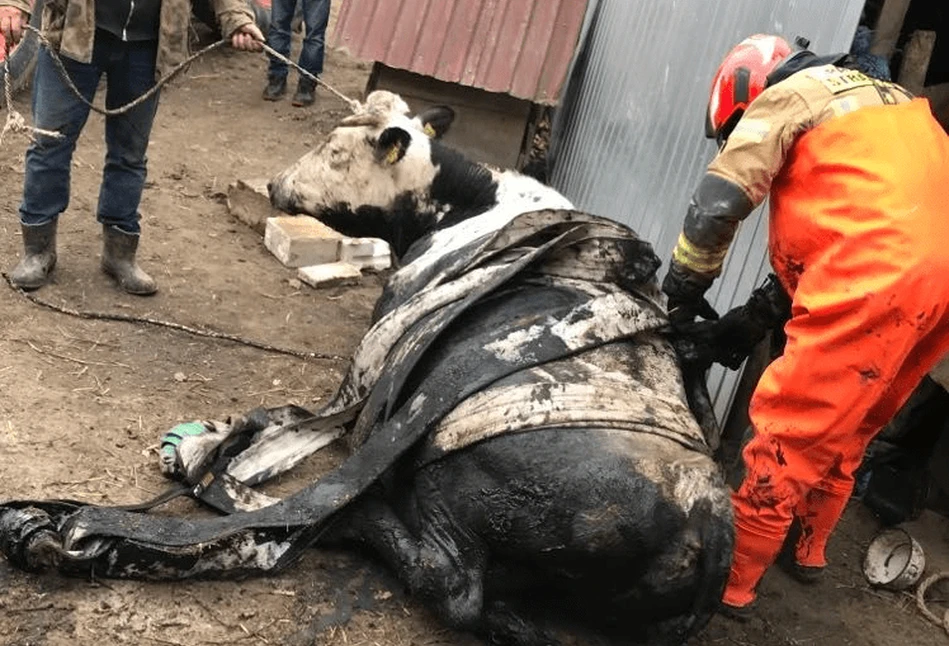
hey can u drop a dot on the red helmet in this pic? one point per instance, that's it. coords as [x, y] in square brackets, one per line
[741, 77]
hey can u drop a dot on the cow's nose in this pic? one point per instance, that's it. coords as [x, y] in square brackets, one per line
[270, 189]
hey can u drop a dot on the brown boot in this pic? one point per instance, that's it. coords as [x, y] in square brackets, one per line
[39, 256]
[118, 260]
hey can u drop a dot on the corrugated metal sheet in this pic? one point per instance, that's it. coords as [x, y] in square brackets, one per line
[519, 47]
[629, 143]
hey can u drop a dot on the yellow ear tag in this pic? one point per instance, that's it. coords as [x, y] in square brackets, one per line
[429, 130]
[393, 155]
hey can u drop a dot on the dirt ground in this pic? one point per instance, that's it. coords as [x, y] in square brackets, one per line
[83, 402]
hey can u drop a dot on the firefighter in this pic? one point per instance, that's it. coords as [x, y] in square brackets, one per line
[856, 170]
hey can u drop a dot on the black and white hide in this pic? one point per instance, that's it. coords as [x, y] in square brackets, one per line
[523, 453]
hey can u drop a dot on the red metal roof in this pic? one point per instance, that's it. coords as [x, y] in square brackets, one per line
[520, 47]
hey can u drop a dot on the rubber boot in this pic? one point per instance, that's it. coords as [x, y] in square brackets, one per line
[305, 94]
[276, 88]
[818, 514]
[118, 261]
[39, 256]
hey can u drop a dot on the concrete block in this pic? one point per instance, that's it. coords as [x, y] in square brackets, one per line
[376, 263]
[330, 274]
[357, 247]
[300, 241]
[366, 253]
[248, 201]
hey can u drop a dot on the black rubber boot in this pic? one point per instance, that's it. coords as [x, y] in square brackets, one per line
[740, 614]
[118, 260]
[39, 256]
[276, 88]
[305, 94]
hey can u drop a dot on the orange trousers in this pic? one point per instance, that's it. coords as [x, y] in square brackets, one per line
[860, 238]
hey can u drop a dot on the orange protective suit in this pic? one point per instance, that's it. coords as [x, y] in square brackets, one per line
[860, 239]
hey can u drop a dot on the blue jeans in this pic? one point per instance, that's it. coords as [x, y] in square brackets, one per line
[316, 14]
[130, 71]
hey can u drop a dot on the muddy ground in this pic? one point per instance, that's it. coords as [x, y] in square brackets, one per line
[82, 402]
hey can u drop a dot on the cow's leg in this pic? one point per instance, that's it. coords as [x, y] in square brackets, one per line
[506, 623]
[441, 563]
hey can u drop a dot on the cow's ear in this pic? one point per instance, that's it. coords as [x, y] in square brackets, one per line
[392, 144]
[436, 120]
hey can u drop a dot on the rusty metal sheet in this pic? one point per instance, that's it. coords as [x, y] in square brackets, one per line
[518, 47]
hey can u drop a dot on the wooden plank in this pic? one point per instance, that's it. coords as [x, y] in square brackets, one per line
[916, 57]
[889, 26]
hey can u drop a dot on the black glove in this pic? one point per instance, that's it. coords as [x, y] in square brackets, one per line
[686, 291]
[731, 339]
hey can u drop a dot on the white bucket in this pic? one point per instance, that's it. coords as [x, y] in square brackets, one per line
[894, 560]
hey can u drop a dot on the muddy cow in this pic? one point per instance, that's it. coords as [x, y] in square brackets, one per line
[523, 453]
[609, 512]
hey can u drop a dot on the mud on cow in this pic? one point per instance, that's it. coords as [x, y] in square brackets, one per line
[523, 453]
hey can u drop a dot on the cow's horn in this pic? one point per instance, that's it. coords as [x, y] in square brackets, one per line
[357, 120]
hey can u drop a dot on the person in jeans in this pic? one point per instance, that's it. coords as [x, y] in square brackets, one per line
[316, 14]
[131, 42]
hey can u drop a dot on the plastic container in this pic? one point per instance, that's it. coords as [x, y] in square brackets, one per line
[894, 560]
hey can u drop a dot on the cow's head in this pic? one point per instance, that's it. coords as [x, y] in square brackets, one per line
[375, 169]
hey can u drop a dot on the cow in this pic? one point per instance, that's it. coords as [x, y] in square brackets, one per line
[629, 531]
[523, 454]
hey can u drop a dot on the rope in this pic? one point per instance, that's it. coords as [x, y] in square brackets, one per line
[16, 123]
[354, 105]
[921, 600]
[211, 334]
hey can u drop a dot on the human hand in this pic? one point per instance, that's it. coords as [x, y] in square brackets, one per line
[12, 23]
[248, 38]
[685, 290]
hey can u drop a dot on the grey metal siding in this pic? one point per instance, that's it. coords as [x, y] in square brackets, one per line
[629, 142]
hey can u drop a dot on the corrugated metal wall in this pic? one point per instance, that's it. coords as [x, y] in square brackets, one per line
[629, 142]
[519, 47]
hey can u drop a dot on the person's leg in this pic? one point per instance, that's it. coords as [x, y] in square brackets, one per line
[278, 37]
[849, 353]
[130, 68]
[316, 15]
[131, 73]
[820, 511]
[47, 172]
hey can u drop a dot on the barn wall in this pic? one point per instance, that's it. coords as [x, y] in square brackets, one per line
[629, 140]
[518, 47]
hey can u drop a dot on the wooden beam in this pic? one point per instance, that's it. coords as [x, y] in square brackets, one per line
[916, 57]
[888, 28]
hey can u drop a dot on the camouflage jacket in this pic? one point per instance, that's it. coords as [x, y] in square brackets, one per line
[70, 25]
